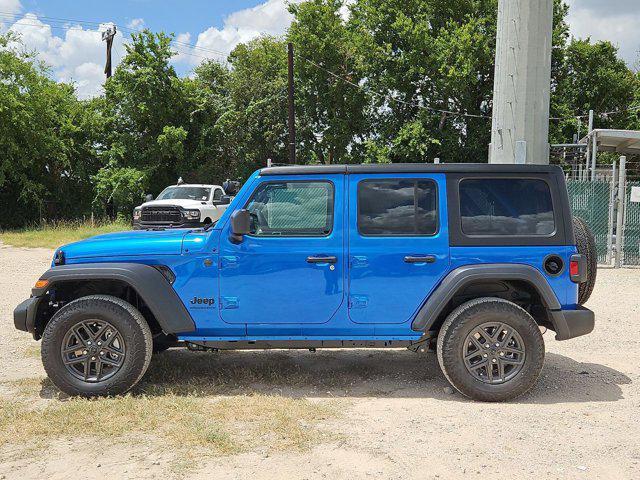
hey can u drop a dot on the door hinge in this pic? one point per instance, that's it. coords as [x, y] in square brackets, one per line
[228, 261]
[228, 303]
[358, 301]
[359, 261]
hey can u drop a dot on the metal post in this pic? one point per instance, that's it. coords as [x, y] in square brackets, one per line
[612, 200]
[620, 205]
[589, 141]
[594, 154]
[292, 115]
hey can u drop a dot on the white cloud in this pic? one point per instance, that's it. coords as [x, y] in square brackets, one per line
[8, 8]
[136, 24]
[269, 18]
[613, 20]
[76, 56]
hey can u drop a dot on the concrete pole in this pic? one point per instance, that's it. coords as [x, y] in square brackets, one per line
[620, 204]
[521, 90]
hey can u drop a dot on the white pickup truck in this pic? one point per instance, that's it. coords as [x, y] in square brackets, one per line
[182, 206]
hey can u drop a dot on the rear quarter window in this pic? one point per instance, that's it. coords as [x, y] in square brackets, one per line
[506, 207]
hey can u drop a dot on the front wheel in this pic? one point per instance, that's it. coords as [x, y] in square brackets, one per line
[97, 345]
[490, 349]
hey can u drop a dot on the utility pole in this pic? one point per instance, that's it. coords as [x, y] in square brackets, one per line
[107, 36]
[292, 115]
[522, 82]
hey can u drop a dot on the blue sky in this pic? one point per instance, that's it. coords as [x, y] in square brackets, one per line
[211, 29]
[177, 17]
[67, 34]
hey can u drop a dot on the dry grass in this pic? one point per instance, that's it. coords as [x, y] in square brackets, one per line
[32, 350]
[214, 425]
[53, 235]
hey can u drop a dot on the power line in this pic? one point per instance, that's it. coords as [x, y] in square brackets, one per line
[389, 97]
[62, 24]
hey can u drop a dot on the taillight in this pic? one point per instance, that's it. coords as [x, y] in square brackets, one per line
[578, 268]
[574, 268]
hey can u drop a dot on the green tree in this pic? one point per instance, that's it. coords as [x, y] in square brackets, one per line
[46, 141]
[255, 128]
[146, 111]
[331, 111]
[124, 187]
[591, 76]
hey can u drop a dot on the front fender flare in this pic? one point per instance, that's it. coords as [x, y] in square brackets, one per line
[147, 281]
[463, 276]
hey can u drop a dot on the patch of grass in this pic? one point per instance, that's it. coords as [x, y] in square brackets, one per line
[226, 425]
[32, 350]
[52, 235]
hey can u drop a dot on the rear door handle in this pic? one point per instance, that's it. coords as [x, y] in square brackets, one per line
[420, 259]
[314, 259]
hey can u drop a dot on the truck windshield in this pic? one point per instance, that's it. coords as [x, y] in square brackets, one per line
[184, 193]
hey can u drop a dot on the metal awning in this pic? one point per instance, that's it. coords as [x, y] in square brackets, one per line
[620, 141]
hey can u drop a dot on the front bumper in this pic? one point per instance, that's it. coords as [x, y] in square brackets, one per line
[138, 225]
[572, 323]
[24, 315]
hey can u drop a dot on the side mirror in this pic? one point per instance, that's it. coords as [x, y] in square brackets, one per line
[148, 197]
[240, 225]
[224, 200]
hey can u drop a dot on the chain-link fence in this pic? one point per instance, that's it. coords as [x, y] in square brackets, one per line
[631, 228]
[591, 201]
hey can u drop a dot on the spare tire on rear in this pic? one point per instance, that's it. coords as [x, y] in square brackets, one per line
[586, 245]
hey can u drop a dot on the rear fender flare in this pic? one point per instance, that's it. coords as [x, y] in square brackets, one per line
[459, 278]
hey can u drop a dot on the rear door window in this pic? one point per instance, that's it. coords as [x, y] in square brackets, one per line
[506, 207]
[397, 207]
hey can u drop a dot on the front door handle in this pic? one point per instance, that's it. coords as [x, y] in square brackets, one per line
[420, 259]
[315, 259]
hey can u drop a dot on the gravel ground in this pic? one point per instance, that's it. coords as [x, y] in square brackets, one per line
[581, 421]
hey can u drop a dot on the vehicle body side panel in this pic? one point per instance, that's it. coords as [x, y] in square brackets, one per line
[267, 280]
[565, 290]
[383, 287]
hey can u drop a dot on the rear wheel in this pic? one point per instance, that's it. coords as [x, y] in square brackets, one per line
[490, 349]
[586, 245]
[95, 346]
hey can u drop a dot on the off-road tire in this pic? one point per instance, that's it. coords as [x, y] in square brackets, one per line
[125, 318]
[586, 245]
[462, 321]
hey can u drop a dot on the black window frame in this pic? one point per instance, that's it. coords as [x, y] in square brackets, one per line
[391, 179]
[213, 194]
[563, 234]
[331, 202]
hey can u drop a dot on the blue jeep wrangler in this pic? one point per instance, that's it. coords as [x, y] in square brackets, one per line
[470, 259]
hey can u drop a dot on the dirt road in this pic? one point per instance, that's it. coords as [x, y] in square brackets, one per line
[396, 418]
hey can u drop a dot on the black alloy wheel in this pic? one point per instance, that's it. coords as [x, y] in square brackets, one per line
[494, 353]
[93, 350]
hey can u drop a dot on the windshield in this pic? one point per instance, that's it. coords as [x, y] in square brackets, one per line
[185, 193]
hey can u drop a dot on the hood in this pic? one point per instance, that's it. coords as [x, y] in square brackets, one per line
[127, 244]
[176, 203]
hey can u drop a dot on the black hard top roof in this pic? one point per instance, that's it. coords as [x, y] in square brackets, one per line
[409, 168]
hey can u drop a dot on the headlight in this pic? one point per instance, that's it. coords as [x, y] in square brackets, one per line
[137, 213]
[192, 214]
